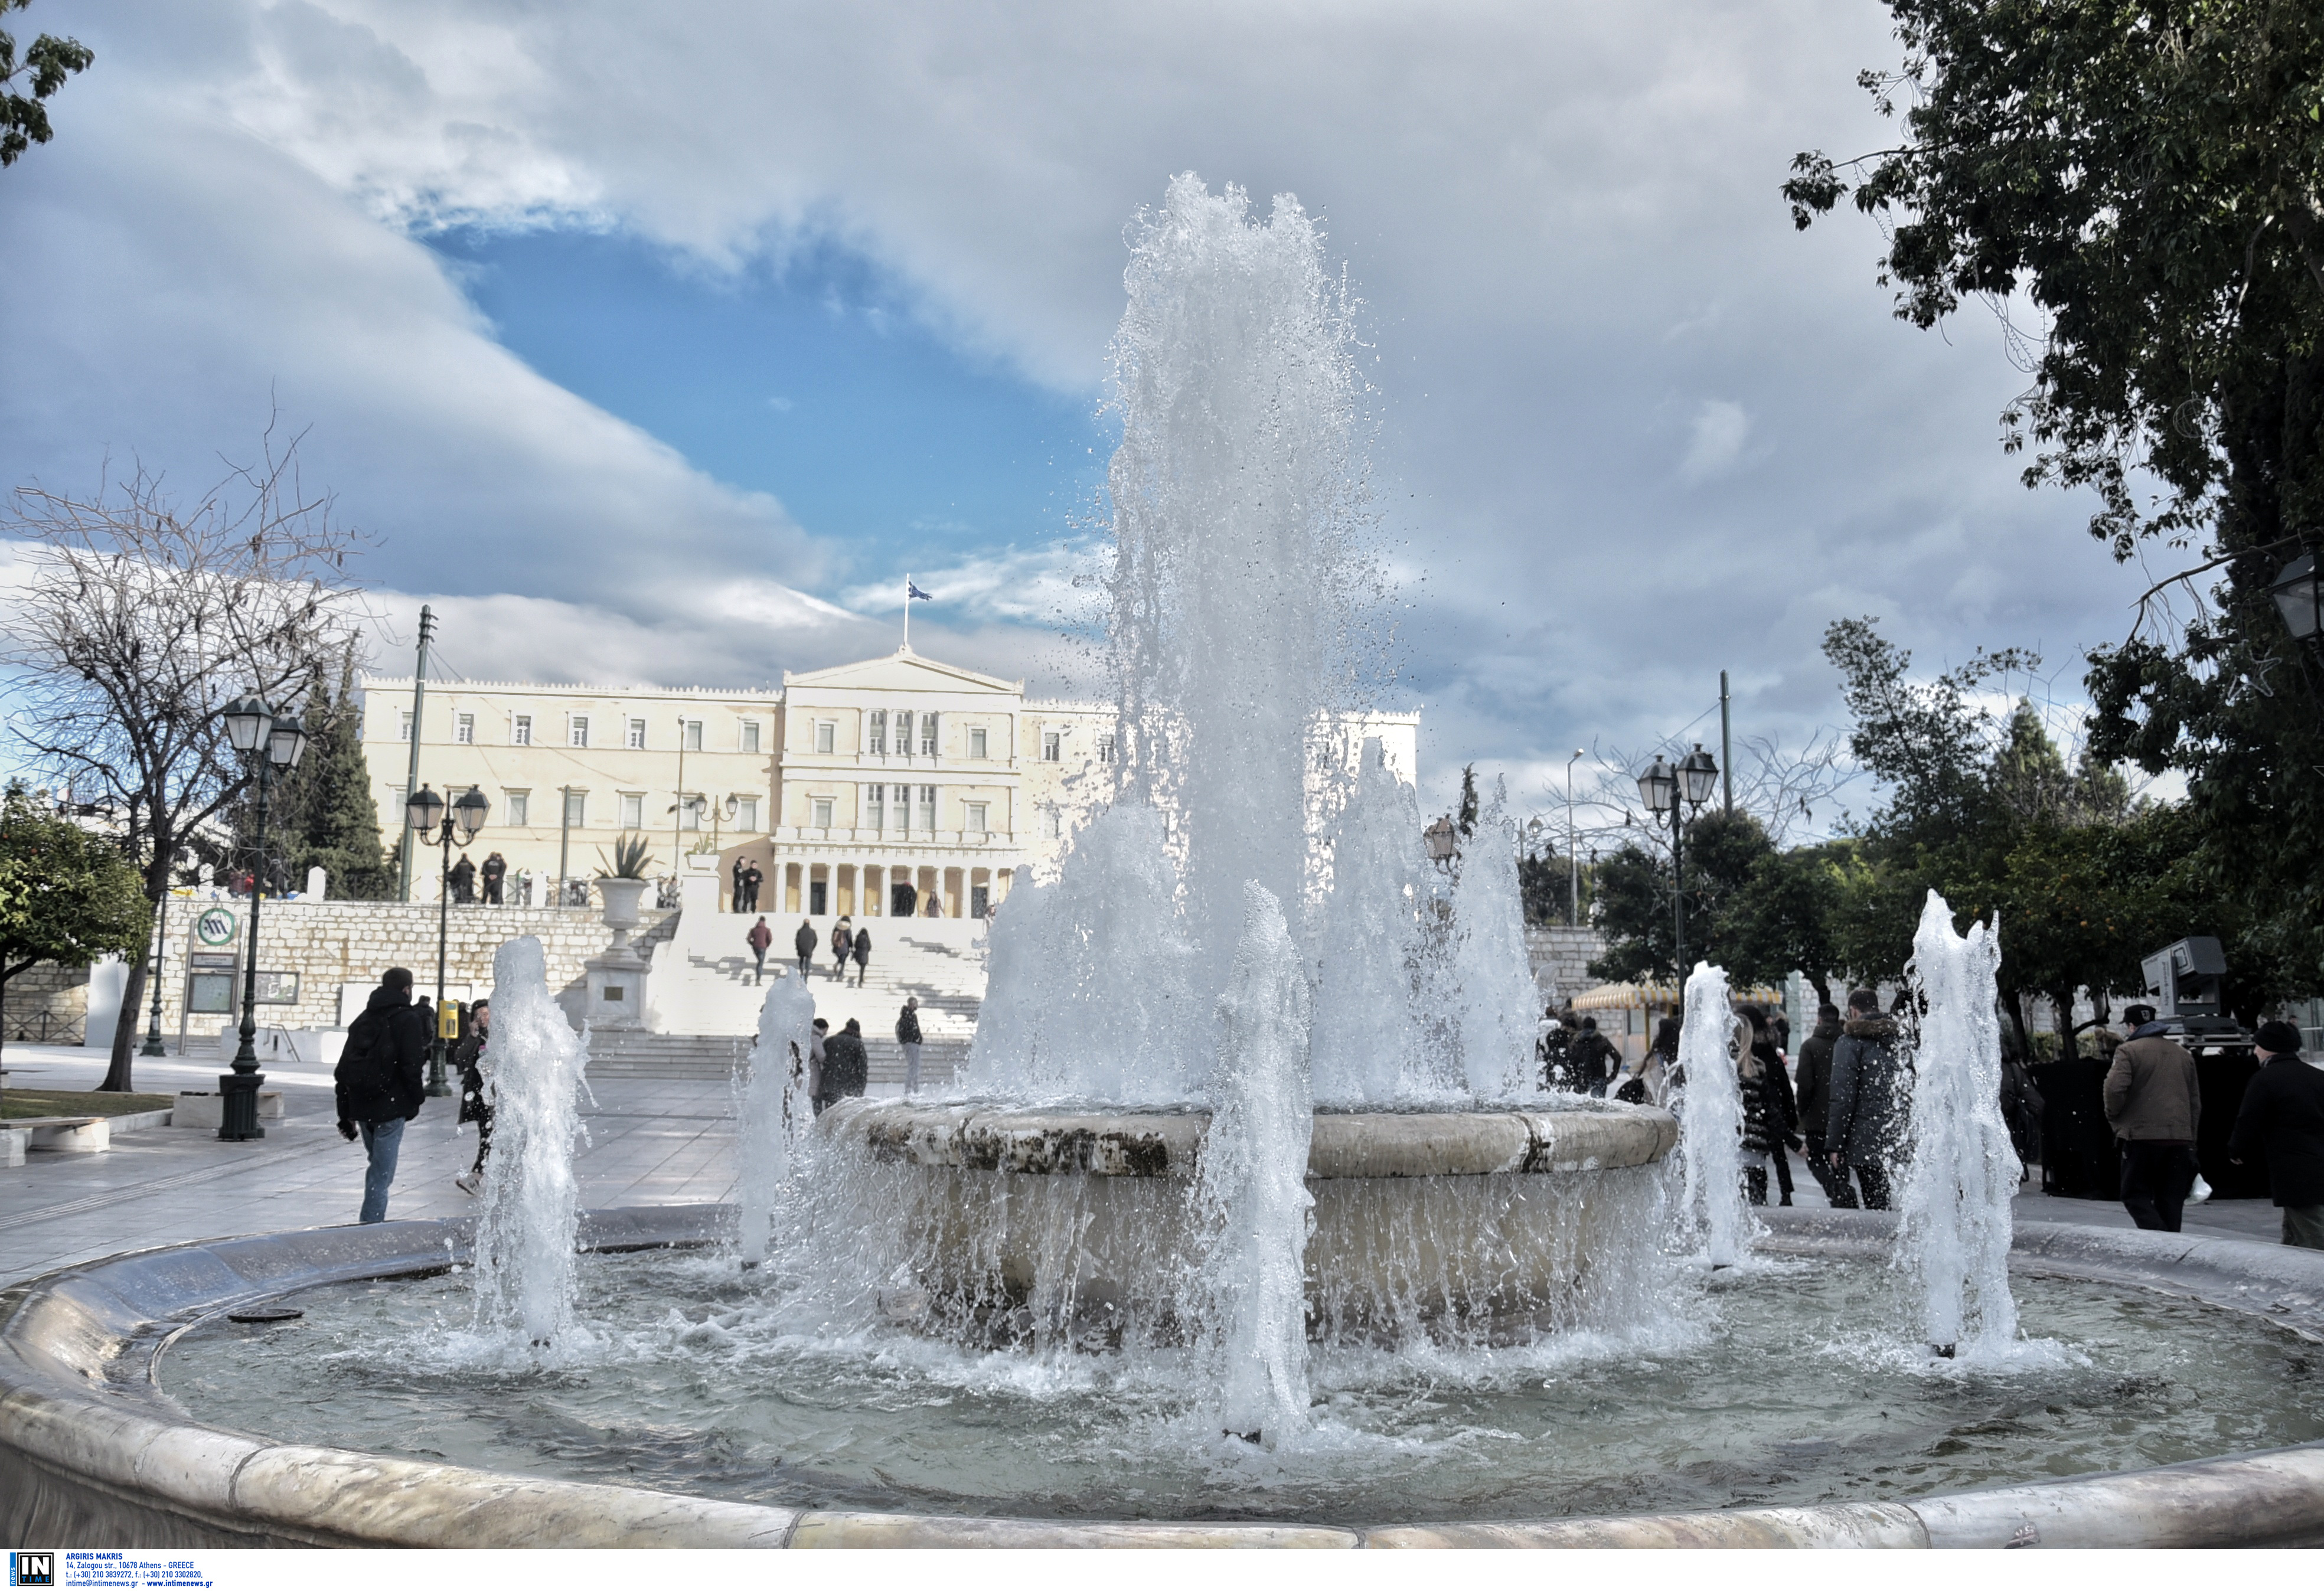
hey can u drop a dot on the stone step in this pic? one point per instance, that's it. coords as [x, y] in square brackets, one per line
[698, 1057]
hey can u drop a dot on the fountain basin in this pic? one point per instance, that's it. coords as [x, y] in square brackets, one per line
[1472, 1225]
[91, 1452]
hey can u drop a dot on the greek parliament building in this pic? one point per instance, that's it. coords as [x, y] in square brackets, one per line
[895, 786]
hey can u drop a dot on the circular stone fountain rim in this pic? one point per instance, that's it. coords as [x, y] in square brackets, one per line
[91, 1450]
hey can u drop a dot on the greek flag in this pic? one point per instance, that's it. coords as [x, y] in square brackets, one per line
[911, 591]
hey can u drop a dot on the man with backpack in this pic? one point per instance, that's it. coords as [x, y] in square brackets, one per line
[379, 1081]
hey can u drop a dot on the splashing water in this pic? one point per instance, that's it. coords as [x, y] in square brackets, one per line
[1368, 1039]
[1710, 1116]
[1498, 1001]
[1252, 1185]
[1953, 1232]
[524, 1271]
[771, 1111]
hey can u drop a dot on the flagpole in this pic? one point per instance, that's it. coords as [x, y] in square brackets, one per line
[908, 611]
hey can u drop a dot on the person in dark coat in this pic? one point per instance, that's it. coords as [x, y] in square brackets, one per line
[464, 882]
[1864, 1123]
[1814, 1101]
[1593, 1059]
[2156, 1109]
[845, 1066]
[1762, 1120]
[2020, 1105]
[734, 896]
[752, 879]
[843, 945]
[1784, 1109]
[492, 872]
[379, 1081]
[817, 1092]
[475, 1096]
[759, 937]
[908, 1036]
[2282, 1122]
[803, 941]
[862, 953]
[1554, 1053]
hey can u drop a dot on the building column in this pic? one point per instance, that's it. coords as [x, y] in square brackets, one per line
[875, 890]
[792, 897]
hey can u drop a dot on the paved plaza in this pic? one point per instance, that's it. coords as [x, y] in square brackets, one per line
[648, 1142]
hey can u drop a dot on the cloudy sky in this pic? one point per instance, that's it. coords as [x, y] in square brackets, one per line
[657, 344]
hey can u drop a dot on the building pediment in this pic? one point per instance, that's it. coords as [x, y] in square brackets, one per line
[903, 672]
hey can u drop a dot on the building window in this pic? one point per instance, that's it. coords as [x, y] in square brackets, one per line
[976, 744]
[927, 734]
[689, 813]
[820, 809]
[876, 733]
[826, 739]
[403, 725]
[521, 731]
[749, 734]
[903, 794]
[927, 804]
[1053, 827]
[634, 810]
[464, 729]
[875, 807]
[691, 728]
[1105, 747]
[637, 737]
[520, 808]
[577, 730]
[576, 809]
[1052, 745]
[974, 822]
[746, 813]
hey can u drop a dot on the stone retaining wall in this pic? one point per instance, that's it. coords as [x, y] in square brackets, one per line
[1561, 960]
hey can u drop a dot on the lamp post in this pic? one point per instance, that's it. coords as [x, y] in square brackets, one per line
[1573, 851]
[1443, 842]
[268, 741]
[432, 824]
[2300, 597]
[152, 1045]
[1671, 789]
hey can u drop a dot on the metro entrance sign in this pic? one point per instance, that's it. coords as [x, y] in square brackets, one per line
[217, 925]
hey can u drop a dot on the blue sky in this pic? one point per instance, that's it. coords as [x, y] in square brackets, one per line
[539, 280]
[807, 377]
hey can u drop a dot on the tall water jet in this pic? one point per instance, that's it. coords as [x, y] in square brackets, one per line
[1953, 1230]
[524, 1267]
[772, 1110]
[1367, 1044]
[1711, 1116]
[1498, 1004]
[1251, 1189]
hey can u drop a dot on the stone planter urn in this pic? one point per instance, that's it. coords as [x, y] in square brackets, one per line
[621, 899]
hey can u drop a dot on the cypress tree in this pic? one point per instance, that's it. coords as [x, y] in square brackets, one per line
[329, 817]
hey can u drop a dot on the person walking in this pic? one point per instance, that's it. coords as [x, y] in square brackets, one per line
[752, 879]
[847, 1069]
[908, 1036]
[464, 882]
[475, 1098]
[1783, 1105]
[1593, 1060]
[803, 941]
[1762, 1116]
[862, 949]
[1814, 1099]
[2020, 1105]
[843, 945]
[494, 872]
[2282, 1122]
[2154, 1109]
[1645, 1081]
[378, 1083]
[1554, 1052]
[816, 1035]
[759, 937]
[1864, 1123]
[734, 894]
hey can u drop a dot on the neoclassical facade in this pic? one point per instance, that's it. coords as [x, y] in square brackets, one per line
[895, 783]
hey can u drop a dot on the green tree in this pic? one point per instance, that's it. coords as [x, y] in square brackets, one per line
[1634, 914]
[323, 809]
[1787, 919]
[24, 117]
[2148, 179]
[67, 896]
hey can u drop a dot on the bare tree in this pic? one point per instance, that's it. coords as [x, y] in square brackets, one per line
[140, 617]
[1781, 788]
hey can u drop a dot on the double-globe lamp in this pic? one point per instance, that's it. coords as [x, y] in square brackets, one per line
[1695, 776]
[432, 825]
[249, 721]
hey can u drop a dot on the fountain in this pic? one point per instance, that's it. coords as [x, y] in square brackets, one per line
[1248, 1224]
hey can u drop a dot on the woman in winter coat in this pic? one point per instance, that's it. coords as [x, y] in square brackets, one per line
[1784, 1115]
[863, 951]
[1648, 1079]
[843, 945]
[1763, 1112]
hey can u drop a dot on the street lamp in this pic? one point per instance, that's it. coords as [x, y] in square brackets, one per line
[152, 1045]
[2300, 597]
[1662, 788]
[433, 824]
[1444, 842]
[271, 742]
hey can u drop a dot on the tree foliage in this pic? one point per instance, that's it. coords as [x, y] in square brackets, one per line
[322, 813]
[48, 61]
[2150, 181]
[67, 896]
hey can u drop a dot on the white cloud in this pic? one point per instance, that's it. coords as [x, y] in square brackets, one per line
[1717, 439]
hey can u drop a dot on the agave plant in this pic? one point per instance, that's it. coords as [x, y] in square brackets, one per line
[629, 856]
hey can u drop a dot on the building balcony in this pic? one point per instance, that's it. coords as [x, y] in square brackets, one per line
[896, 839]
